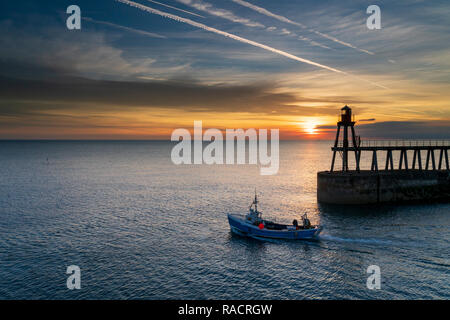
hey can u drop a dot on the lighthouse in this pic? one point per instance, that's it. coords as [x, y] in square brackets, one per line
[405, 182]
[345, 122]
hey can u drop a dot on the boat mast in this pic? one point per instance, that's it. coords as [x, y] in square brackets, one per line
[256, 202]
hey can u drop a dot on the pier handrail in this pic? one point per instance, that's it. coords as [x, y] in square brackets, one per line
[403, 143]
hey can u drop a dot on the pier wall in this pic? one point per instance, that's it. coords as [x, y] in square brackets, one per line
[367, 187]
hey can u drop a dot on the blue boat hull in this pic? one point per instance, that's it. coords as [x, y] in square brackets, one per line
[240, 227]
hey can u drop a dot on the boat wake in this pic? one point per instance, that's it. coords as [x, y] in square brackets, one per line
[327, 237]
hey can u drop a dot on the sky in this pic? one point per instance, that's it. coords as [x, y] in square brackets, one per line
[140, 69]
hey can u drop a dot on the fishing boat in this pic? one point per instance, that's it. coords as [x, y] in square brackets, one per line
[253, 225]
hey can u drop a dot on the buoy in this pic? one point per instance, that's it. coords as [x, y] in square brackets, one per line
[261, 226]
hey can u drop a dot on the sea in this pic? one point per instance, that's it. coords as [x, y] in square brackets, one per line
[140, 227]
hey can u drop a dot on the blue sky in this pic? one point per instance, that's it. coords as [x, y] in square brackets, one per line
[399, 74]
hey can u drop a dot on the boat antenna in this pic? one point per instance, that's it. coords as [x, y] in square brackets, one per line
[256, 201]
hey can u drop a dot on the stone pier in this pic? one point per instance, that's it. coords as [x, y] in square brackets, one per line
[365, 187]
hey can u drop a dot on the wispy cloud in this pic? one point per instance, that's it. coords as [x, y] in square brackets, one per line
[240, 39]
[298, 24]
[407, 129]
[285, 31]
[175, 8]
[117, 26]
[226, 14]
[222, 13]
[32, 52]
[366, 120]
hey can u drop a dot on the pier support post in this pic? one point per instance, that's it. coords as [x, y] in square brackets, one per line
[405, 151]
[389, 160]
[335, 146]
[430, 154]
[345, 152]
[432, 159]
[374, 161]
[357, 153]
[400, 164]
[419, 159]
[446, 159]
[441, 157]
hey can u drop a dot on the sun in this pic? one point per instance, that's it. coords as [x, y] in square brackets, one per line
[310, 127]
[311, 130]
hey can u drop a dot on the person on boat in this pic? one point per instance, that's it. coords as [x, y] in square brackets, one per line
[306, 222]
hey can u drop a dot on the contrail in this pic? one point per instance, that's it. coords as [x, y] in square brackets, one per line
[141, 32]
[237, 38]
[222, 13]
[181, 10]
[228, 15]
[286, 20]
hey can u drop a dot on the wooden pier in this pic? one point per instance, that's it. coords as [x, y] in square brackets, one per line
[410, 180]
[428, 147]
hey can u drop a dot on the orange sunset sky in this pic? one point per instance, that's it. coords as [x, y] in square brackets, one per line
[131, 73]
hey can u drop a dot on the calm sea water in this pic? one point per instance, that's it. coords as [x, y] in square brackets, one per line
[140, 227]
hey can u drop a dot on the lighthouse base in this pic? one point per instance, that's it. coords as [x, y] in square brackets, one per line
[366, 187]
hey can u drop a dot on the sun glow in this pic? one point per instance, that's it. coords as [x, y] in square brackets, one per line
[310, 127]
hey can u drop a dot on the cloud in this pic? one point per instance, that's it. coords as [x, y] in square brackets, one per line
[186, 95]
[366, 120]
[226, 14]
[433, 129]
[30, 52]
[178, 9]
[301, 25]
[222, 13]
[407, 129]
[57, 91]
[241, 39]
[117, 26]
